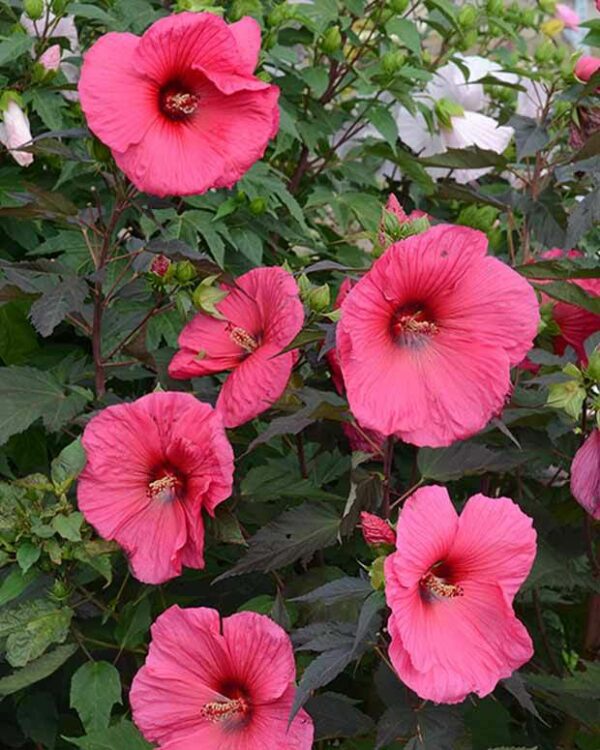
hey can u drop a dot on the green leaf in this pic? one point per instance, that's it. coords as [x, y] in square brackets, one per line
[121, 736]
[296, 535]
[134, 623]
[17, 337]
[27, 394]
[38, 718]
[68, 464]
[95, 689]
[15, 584]
[385, 123]
[467, 158]
[335, 716]
[530, 137]
[67, 296]
[93, 13]
[36, 670]
[466, 459]
[407, 32]
[50, 107]
[43, 626]
[69, 526]
[27, 555]
[573, 294]
[14, 47]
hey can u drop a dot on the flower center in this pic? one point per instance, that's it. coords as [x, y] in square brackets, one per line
[234, 708]
[411, 324]
[436, 587]
[165, 488]
[178, 105]
[242, 338]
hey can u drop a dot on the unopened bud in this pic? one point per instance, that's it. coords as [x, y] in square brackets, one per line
[376, 530]
[319, 298]
[544, 52]
[258, 206]
[34, 9]
[184, 271]
[467, 16]
[392, 62]
[160, 265]
[331, 41]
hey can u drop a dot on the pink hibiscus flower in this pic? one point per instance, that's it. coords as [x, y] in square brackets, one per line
[585, 475]
[568, 16]
[261, 316]
[450, 586]
[179, 107]
[218, 684]
[427, 337]
[576, 324]
[359, 438]
[586, 67]
[152, 467]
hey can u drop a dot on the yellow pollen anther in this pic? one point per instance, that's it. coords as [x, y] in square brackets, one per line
[439, 589]
[242, 338]
[412, 324]
[180, 104]
[221, 711]
[163, 488]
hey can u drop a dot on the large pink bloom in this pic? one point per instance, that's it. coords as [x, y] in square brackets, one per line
[179, 107]
[450, 586]
[427, 337]
[152, 467]
[262, 314]
[212, 684]
[576, 324]
[585, 475]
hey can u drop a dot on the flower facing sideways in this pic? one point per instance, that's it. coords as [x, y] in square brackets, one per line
[152, 467]
[260, 316]
[585, 475]
[15, 131]
[450, 586]
[219, 684]
[179, 107]
[427, 337]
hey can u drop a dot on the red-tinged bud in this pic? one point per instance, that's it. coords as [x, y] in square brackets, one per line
[160, 265]
[375, 530]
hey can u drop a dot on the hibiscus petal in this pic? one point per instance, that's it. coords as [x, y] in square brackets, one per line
[585, 475]
[495, 542]
[255, 385]
[120, 106]
[246, 32]
[262, 655]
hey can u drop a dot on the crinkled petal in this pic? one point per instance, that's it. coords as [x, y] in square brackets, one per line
[120, 106]
[206, 348]
[246, 32]
[255, 385]
[495, 542]
[262, 655]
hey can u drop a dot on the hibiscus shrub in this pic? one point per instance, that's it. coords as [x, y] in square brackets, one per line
[300, 383]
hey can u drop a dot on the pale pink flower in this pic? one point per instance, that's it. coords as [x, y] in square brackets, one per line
[586, 67]
[219, 684]
[15, 131]
[585, 475]
[50, 60]
[260, 316]
[152, 467]
[376, 530]
[568, 16]
[427, 337]
[450, 586]
[180, 107]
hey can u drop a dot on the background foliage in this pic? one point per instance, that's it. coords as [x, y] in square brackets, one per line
[84, 324]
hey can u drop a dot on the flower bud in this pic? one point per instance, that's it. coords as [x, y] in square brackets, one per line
[586, 67]
[34, 9]
[184, 271]
[376, 530]
[544, 52]
[446, 109]
[319, 298]
[467, 16]
[568, 16]
[241, 8]
[399, 6]
[548, 6]
[279, 15]
[392, 62]
[50, 59]
[258, 206]
[495, 7]
[15, 130]
[551, 28]
[593, 368]
[377, 573]
[569, 395]
[331, 41]
[160, 265]
[304, 286]
[59, 6]
[206, 296]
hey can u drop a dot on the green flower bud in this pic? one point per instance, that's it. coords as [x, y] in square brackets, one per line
[184, 271]
[59, 6]
[331, 41]
[34, 9]
[376, 574]
[59, 591]
[304, 286]
[445, 110]
[544, 52]
[194, 5]
[319, 298]
[569, 395]
[495, 7]
[206, 296]
[241, 8]
[279, 15]
[258, 206]
[469, 40]
[548, 6]
[392, 62]
[529, 17]
[398, 6]
[467, 16]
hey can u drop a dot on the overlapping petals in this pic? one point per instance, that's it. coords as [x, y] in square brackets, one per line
[450, 586]
[585, 475]
[180, 107]
[427, 337]
[152, 467]
[260, 317]
[218, 684]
